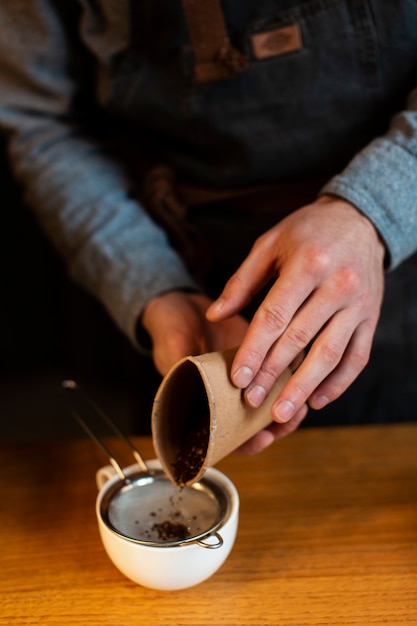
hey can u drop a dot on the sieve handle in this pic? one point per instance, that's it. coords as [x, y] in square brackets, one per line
[202, 542]
[77, 397]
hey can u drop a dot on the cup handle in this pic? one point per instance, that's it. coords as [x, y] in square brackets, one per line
[103, 475]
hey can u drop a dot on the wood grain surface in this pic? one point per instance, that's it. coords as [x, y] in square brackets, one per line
[327, 536]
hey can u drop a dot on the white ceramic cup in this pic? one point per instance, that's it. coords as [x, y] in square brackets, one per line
[176, 565]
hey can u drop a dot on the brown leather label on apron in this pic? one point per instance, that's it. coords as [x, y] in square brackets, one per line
[276, 42]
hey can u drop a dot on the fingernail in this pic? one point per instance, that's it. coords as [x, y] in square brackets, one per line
[216, 306]
[255, 396]
[284, 410]
[242, 377]
[318, 402]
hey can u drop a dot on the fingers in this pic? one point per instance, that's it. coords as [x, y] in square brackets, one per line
[274, 319]
[297, 307]
[326, 352]
[340, 349]
[177, 325]
[335, 316]
[355, 359]
[257, 443]
[266, 437]
[321, 380]
[258, 371]
[173, 346]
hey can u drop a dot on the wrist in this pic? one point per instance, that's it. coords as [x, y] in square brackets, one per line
[144, 324]
[367, 222]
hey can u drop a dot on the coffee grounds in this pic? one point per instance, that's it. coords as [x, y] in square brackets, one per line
[171, 531]
[191, 455]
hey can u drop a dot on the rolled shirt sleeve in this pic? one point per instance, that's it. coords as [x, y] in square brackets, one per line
[381, 181]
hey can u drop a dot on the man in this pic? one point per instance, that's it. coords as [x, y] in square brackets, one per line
[233, 97]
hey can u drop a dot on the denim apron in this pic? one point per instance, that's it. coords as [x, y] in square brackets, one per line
[291, 116]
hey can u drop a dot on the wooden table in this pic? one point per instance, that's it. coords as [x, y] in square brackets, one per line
[327, 535]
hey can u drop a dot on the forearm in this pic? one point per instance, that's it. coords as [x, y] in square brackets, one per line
[110, 245]
[61, 156]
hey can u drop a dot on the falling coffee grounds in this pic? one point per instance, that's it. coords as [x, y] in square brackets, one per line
[191, 455]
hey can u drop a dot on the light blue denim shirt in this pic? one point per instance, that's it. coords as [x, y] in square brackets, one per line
[75, 74]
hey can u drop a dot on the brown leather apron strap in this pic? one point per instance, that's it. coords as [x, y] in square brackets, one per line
[215, 57]
[280, 198]
[159, 196]
[170, 205]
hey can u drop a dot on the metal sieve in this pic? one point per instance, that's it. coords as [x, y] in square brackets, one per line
[150, 510]
[142, 505]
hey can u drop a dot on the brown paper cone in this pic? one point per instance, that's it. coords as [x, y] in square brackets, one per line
[196, 401]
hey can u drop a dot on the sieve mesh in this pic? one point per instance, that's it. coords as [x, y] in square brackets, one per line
[151, 509]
